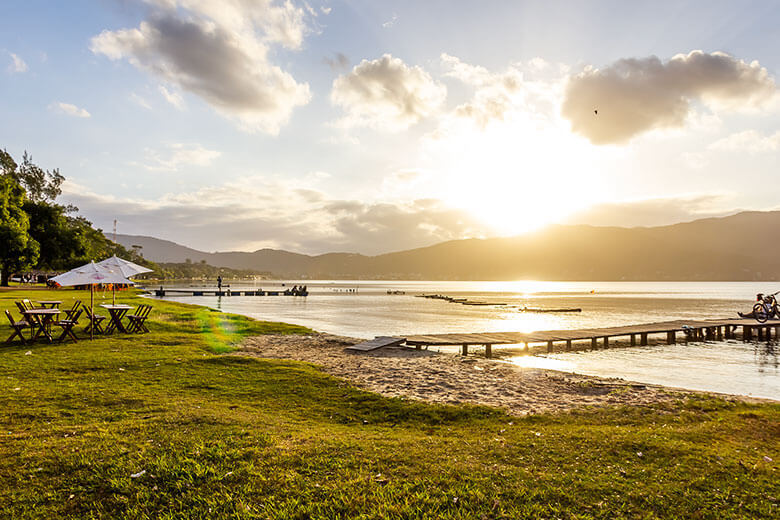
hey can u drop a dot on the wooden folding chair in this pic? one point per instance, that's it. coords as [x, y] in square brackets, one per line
[67, 326]
[21, 306]
[18, 327]
[69, 313]
[137, 320]
[97, 320]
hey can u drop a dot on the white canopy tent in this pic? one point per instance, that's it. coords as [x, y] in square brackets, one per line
[91, 274]
[125, 267]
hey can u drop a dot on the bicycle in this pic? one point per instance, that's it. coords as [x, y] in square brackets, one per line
[767, 308]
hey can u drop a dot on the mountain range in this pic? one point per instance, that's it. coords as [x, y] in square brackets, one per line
[739, 247]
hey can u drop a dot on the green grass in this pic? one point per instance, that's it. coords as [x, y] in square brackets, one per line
[223, 436]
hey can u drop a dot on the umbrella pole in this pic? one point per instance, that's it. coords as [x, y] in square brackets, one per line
[113, 294]
[92, 311]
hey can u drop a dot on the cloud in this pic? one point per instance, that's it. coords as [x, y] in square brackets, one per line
[256, 212]
[636, 95]
[140, 101]
[17, 65]
[387, 94]
[529, 90]
[219, 52]
[174, 98]
[390, 22]
[69, 109]
[654, 212]
[748, 141]
[338, 63]
[178, 155]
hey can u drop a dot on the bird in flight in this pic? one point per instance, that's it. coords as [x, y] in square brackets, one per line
[596, 112]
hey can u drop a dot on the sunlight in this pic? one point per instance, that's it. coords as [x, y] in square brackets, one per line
[518, 175]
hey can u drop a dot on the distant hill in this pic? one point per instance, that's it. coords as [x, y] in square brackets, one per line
[739, 247]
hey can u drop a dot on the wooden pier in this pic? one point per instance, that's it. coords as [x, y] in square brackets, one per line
[692, 330]
[224, 292]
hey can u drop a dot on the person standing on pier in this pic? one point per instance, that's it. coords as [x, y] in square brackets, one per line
[219, 283]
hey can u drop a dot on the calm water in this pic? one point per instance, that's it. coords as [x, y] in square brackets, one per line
[364, 309]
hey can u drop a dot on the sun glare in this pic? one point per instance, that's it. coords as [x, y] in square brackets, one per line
[517, 176]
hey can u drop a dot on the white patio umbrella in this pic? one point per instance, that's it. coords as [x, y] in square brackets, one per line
[91, 274]
[125, 267]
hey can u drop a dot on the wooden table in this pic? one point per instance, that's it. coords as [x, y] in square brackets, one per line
[41, 318]
[117, 312]
[50, 304]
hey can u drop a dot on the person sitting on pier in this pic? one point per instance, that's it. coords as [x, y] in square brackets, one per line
[752, 314]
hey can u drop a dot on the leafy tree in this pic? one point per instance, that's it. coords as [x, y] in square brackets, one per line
[7, 164]
[41, 185]
[17, 249]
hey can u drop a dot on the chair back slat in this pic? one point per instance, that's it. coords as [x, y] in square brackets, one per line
[21, 306]
[10, 316]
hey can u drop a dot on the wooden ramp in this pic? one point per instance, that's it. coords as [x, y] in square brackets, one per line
[376, 343]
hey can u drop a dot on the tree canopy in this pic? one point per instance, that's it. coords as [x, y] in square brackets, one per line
[18, 250]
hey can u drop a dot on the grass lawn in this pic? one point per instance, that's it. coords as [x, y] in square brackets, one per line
[171, 425]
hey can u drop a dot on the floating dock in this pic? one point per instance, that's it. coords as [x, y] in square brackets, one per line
[693, 330]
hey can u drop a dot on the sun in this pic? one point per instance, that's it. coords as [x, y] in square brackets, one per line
[518, 176]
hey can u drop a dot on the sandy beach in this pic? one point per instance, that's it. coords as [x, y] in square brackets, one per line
[451, 378]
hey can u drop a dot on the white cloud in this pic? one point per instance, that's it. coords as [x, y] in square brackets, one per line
[17, 65]
[140, 101]
[749, 141]
[69, 109]
[174, 98]
[178, 155]
[390, 22]
[220, 52]
[635, 95]
[257, 212]
[387, 94]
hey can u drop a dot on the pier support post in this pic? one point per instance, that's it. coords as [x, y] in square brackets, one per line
[549, 346]
[708, 332]
[606, 341]
[488, 351]
[594, 343]
[747, 332]
[670, 338]
[760, 333]
[720, 333]
[465, 350]
[568, 344]
[633, 340]
[643, 339]
[769, 334]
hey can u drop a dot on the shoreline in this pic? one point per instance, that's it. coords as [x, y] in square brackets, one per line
[452, 379]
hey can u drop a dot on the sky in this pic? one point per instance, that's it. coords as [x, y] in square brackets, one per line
[372, 126]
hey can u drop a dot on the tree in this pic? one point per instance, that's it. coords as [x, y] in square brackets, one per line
[41, 185]
[18, 250]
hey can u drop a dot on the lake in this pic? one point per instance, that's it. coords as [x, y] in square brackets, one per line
[364, 309]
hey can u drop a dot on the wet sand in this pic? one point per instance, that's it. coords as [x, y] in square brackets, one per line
[451, 378]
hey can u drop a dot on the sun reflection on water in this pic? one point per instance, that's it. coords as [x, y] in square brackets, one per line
[543, 362]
